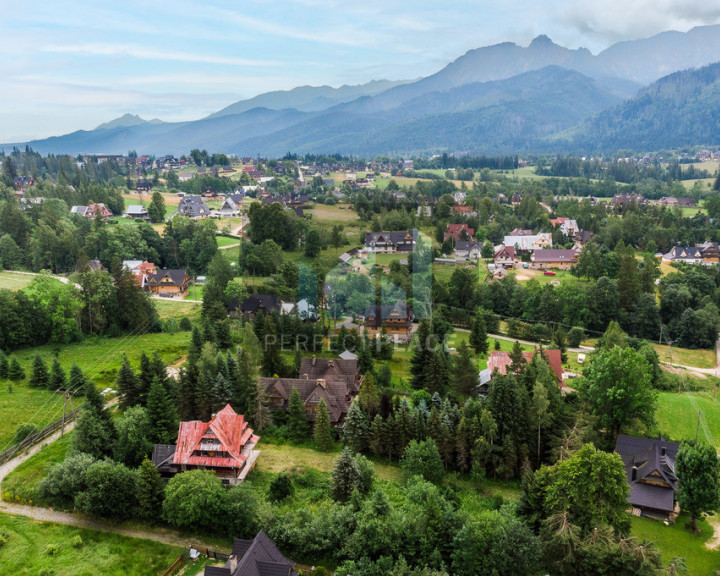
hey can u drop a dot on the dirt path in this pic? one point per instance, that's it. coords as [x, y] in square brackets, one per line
[714, 542]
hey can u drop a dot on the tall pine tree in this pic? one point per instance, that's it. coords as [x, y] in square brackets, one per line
[126, 384]
[478, 334]
[58, 380]
[39, 377]
[356, 428]
[161, 413]
[150, 493]
[297, 419]
[323, 432]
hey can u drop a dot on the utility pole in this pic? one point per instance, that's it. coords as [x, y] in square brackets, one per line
[68, 398]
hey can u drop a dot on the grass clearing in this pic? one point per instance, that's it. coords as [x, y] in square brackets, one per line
[101, 552]
[699, 358]
[171, 308]
[676, 541]
[14, 281]
[677, 417]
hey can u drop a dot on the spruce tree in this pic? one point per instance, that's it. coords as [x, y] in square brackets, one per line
[245, 391]
[185, 399]
[196, 344]
[95, 403]
[151, 492]
[57, 380]
[368, 395]
[161, 413]
[297, 419]
[403, 427]
[437, 377]
[15, 371]
[356, 428]
[478, 334]
[144, 379]
[156, 209]
[517, 360]
[323, 431]
[76, 380]
[465, 372]
[3, 366]
[422, 355]
[377, 430]
[221, 392]
[202, 393]
[39, 377]
[345, 477]
[126, 384]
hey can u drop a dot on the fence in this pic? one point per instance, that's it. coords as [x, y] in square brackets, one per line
[182, 560]
[36, 437]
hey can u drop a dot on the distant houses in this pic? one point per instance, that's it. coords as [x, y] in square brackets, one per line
[468, 250]
[254, 305]
[459, 232]
[567, 226]
[225, 445]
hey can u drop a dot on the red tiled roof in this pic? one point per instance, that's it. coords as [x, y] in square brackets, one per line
[500, 360]
[232, 432]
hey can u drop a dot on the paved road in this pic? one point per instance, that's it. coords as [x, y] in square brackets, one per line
[581, 350]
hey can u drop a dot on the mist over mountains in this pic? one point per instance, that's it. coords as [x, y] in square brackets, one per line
[497, 99]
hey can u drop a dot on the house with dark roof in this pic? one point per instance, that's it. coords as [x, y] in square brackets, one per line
[504, 257]
[391, 242]
[650, 470]
[167, 282]
[137, 212]
[470, 250]
[707, 253]
[192, 207]
[397, 319]
[560, 259]
[23, 182]
[583, 237]
[336, 381]
[225, 445]
[254, 305]
[257, 557]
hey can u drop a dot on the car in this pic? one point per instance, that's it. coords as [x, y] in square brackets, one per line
[526, 265]
[549, 273]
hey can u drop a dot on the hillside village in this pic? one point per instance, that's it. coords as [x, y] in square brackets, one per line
[364, 367]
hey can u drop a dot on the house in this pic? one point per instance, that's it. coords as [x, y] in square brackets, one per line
[567, 226]
[96, 265]
[686, 255]
[391, 242]
[168, 282]
[254, 305]
[137, 212]
[515, 199]
[465, 210]
[456, 231]
[504, 257]
[528, 243]
[257, 557]
[521, 232]
[583, 237]
[141, 269]
[336, 381]
[710, 252]
[23, 183]
[500, 361]
[471, 250]
[347, 355]
[650, 470]
[228, 209]
[143, 186]
[397, 319]
[92, 211]
[225, 445]
[192, 207]
[561, 259]
[623, 200]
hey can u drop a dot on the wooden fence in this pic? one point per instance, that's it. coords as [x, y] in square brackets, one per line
[36, 437]
[182, 560]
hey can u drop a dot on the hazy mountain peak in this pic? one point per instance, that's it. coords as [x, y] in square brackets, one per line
[125, 121]
[541, 41]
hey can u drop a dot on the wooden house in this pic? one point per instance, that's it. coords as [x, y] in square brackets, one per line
[168, 282]
[397, 319]
[225, 445]
[559, 259]
[391, 242]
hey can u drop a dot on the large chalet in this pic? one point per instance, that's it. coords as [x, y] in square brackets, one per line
[225, 445]
[391, 242]
[336, 381]
[257, 557]
[167, 282]
[397, 319]
[707, 254]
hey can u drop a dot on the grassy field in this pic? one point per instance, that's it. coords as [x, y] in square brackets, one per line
[100, 553]
[676, 542]
[14, 281]
[177, 309]
[195, 292]
[225, 241]
[700, 358]
[677, 417]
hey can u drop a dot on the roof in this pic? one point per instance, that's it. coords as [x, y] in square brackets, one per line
[466, 246]
[136, 210]
[524, 242]
[227, 432]
[177, 277]
[397, 311]
[257, 302]
[549, 255]
[347, 355]
[455, 230]
[681, 253]
[655, 480]
[507, 251]
[500, 360]
[260, 557]
[406, 237]
[334, 391]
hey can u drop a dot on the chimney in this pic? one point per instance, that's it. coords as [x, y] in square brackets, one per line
[321, 383]
[313, 360]
[331, 363]
[306, 376]
[662, 451]
[633, 476]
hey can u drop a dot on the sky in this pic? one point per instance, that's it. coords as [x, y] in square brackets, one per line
[69, 64]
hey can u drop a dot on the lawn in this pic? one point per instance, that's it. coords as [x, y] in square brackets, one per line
[700, 358]
[445, 271]
[676, 542]
[100, 553]
[226, 241]
[170, 308]
[195, 292]
[14, 281]
[677, 417]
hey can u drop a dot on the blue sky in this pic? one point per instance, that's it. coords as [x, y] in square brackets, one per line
[70, 65]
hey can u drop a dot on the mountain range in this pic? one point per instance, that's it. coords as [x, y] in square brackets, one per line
[645, 95]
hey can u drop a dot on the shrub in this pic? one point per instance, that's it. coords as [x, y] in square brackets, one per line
[23, 431]
[52, 550]
[47, 572]
[575, 337]
[66, 479]
[423, 459]
[4, 537]
[111, 491]
[280, 488]
[76, 542]
[320, 571]
[194, 499]
[185, 324]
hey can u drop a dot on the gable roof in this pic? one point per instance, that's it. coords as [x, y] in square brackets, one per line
[655, 481]
[232, 432]
[397, 311]
[177, 277]
[335, 391]
[505, 252]
[257, 302]
[260, 557]
[550, 255]
[500, 360]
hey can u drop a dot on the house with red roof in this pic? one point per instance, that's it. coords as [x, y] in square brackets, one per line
[500, 361]
[225, 445]
[456, 230]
